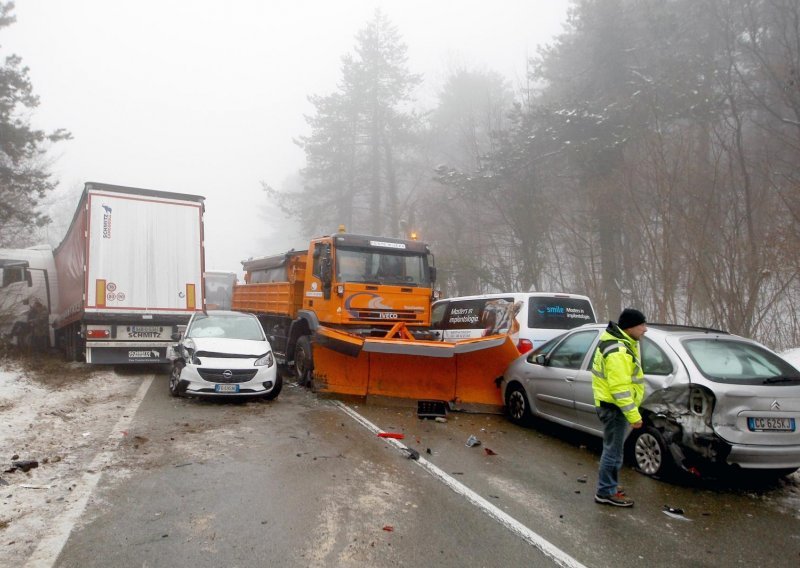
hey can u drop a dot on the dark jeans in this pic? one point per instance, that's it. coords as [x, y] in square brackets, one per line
[615, 426]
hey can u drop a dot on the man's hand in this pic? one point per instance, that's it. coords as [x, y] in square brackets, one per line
[637, 424]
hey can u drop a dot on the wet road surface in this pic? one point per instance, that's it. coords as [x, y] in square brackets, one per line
[299, 482]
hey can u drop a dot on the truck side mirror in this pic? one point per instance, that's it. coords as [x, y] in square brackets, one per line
[432, 270]
[326, 275]
[325, 272]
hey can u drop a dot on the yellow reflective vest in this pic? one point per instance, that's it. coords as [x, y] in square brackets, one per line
[617, 375]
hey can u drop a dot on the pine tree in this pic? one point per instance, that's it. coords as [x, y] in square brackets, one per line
[357, 150]
[24, 179]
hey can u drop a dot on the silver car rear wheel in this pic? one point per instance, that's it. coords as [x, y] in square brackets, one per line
[650, 452]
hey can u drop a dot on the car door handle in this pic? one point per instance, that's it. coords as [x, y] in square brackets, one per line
[569, 379]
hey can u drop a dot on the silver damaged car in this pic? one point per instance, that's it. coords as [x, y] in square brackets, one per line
[712, 400]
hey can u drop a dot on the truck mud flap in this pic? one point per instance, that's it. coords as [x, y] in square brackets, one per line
[126, 355]
[462, 372]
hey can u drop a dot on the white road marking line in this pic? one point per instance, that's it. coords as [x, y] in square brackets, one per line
[49, 548]
[550, 550]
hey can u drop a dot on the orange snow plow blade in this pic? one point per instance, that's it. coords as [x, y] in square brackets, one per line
[403, 367]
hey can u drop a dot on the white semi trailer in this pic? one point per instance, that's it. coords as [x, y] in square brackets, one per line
[128, 272]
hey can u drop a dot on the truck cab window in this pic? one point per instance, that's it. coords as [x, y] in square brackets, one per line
[368, 265]
[322, 257]
[350, 266]
[12, 275]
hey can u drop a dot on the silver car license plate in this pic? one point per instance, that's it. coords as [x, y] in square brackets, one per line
[764, 424]
[226, 388]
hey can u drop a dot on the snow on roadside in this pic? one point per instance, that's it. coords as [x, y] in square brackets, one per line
[58, 415]
[13, 389]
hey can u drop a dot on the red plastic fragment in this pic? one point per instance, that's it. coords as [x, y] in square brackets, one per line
[489, 452]
[388, 528]
[395, 435]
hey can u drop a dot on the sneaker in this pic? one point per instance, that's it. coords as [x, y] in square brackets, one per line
[617, 499]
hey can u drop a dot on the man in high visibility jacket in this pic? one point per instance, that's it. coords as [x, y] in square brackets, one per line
[618, 387]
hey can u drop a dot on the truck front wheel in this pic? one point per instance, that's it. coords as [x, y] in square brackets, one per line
[303, 360]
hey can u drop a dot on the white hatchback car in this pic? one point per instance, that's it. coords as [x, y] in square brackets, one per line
[711, 398]
[224, 353]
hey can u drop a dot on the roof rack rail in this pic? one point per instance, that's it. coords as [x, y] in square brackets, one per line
[682, 327]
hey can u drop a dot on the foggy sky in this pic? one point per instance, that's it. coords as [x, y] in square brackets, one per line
[203, 97]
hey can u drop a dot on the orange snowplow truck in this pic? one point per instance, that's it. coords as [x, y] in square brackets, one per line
[351, 315]
[354, 283]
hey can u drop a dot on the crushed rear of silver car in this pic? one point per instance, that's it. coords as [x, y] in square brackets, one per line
[713, 400]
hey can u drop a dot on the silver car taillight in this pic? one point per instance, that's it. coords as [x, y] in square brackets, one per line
[700, 401]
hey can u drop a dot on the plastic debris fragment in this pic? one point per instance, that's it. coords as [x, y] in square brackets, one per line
[473, 441]
[393, 435]
[25, 465]
[675, 513]
[412, 454]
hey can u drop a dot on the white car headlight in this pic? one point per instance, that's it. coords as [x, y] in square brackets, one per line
[267, 360]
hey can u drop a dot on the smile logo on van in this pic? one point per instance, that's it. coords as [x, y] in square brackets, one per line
[551, 310]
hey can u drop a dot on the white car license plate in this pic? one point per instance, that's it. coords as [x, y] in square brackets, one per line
[762, 424]
[226, 388]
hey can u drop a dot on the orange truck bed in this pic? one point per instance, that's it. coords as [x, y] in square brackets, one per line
[269, 297]
[283, 297]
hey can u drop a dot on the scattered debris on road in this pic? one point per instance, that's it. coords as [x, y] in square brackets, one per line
[674, 513]
[393, 435]
[412, 453]
[24, 465]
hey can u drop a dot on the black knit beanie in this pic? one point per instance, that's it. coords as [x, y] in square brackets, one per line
[630, 317]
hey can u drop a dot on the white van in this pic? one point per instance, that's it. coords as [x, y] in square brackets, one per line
[541, 316]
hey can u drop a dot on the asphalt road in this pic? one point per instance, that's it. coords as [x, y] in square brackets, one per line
[303, 481]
